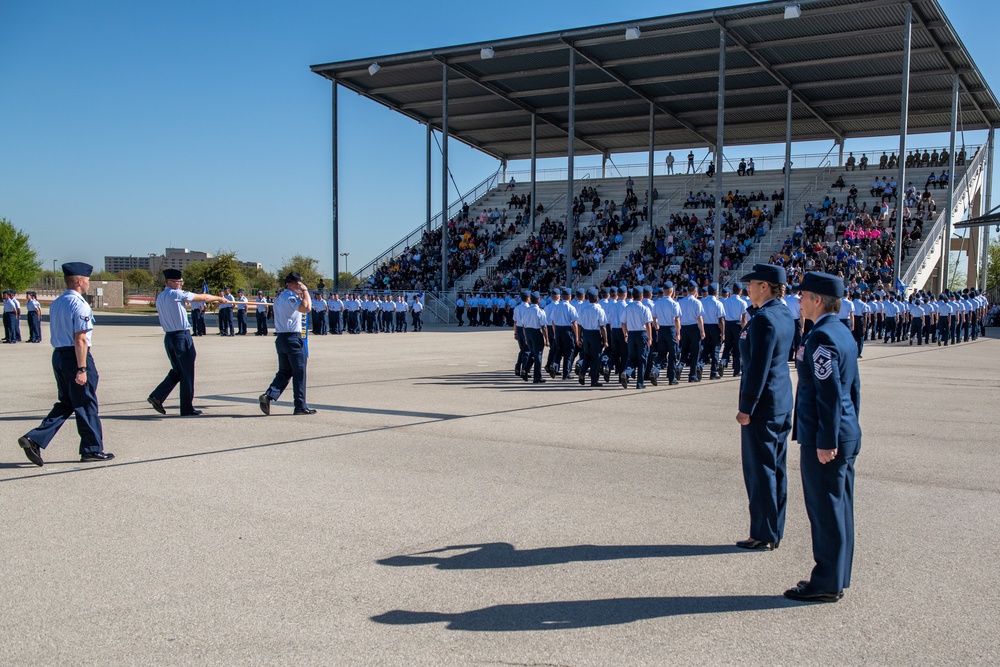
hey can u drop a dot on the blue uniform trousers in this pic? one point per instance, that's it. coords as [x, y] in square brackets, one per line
[666, 356]
[565, 343]
[291, 366]
[334, 321]
[181, 354]
[890, 330]
[522, 350]
[916, 330]
[417, 324]
[764, 443]
[241, 322]
[829, 494]
[618, 350]
[591, 359]
[535, 346]
[34, 327]
[226, 321]
[261, 323]
[796, 339]
[732, 345]
[80, 400]
[859, 333]
[197, 322]
[710, 347]
[638, 354]
[690, 348]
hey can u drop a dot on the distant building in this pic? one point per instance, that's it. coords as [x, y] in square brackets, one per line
[172, 258]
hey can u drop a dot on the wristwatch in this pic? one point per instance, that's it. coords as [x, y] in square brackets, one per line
[81, 369]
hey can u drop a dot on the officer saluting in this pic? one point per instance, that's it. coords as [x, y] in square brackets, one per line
[289, 307]
[70, 322]
[177, 341]
[827, 401]
[765, 411]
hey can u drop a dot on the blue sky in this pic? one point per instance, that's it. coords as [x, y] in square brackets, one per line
[127, 127]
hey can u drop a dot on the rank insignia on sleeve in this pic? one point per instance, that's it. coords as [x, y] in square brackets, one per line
[823, 362]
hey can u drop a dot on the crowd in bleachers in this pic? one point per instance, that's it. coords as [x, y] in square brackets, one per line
[914, 160]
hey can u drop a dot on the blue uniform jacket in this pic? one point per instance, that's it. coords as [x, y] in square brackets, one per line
[828, 398]
[766, 386]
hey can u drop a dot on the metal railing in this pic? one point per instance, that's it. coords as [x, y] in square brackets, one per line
[471, 197]
[932, 235]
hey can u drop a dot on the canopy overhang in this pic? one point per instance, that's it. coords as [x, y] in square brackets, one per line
[842, 60]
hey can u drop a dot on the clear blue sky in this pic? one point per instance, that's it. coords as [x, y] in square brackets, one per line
[127, 127]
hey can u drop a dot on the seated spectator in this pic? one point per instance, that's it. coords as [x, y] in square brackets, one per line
[839, 183]
[750, 168]
[741, 170]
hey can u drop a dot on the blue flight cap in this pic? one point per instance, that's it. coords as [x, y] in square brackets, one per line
[726, 290]
[567, 291]
[712, 289]
[692, 285]
[737, 285]
[592, 291]
[556, 291]
[636, 293]
[613, 290]
[536, 295]
[172, 274]
[823, 284]
[658, 291]
[580, 291]
[769, 273]
[668, 285]
[77, 269]
[604, 291]
[646, 289]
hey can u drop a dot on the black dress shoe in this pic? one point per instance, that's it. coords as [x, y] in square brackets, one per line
[596, 384]
[538, 381]
[623, 379]
[582, 378]
[264, 401]
[758, 545]
[157, 404]
[304, 411]
[98, 456]
[193, 413]
[673, 382]
[31, 449]
[803, 593]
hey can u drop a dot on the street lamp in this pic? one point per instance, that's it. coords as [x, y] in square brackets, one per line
[345, 255]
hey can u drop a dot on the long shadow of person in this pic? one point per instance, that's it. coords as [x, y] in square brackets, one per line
[582, 613]
[495, 555]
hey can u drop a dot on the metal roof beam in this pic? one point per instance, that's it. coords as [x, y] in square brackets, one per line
[499, 92]
[803, 102]
[638, 93]
[436, 104]
[861, 57]
[928, 28]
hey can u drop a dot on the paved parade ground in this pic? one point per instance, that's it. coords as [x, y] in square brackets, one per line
[439, 511]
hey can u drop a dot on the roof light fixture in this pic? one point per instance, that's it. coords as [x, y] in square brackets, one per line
[632, 33]
[373, 69]
[486, 53]
[793, 12]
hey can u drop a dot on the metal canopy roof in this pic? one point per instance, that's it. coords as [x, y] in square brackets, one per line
[842, 60]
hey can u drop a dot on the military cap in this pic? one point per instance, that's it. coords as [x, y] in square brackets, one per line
[580, 291]
[823, 284]
[769, 273]
[737, 285]
[636, 293]
[556, 290]
[692, 285]
[725, 290]
[536, 295]
[293, 277]
[712, 289]
[646, 289]
[567, 291]
[604, 291]
[592, 291]
[668, 285]
[172, 274]
[613, 290]
[240, 291]
[75, 269]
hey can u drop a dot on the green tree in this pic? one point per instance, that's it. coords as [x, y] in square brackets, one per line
[259, 279]
[348, 281]
[194, 274]
[19, 264]
[306, 266]
[140, 279]
[993, 269]
[223, 270]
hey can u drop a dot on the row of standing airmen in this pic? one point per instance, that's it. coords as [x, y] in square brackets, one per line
[12, 317]
[354, 314]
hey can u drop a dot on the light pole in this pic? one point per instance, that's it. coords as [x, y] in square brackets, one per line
[337, 277]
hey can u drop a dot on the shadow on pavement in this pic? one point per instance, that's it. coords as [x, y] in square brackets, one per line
[582, 613]
[496, 555]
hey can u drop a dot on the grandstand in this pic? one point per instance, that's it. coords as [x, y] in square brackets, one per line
[831, 72]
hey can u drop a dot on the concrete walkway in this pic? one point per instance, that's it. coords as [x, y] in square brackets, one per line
[439, 511]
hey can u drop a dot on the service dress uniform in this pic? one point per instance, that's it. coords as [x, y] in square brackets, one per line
[592, 320]
[766, 396]
[34, 319]
[828, 402]
[692, 333]
[637, 321]
[667, 313]
[180, 350]
[533, 320]
[261, 314]
[76, 384]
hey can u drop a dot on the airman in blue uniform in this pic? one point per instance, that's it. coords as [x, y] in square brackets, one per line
[692, 332]
[289, 307]
[765, 405]
[70, 324]
[637, 324]
[667, 321]
[533, 322]
[34, 318]
[735, 311]
[177, 341]
[828, 402]
[592, 321]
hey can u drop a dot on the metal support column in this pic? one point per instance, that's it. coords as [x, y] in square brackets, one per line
[840, 153]
[571, 123]
[903, 127]
[334, 182]
[720, 127]
[649, 182]
[444, 178]
[988, 206]
[949, 206]
[534, 174]
[604, 165]
[429, 205]
[786, 203]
